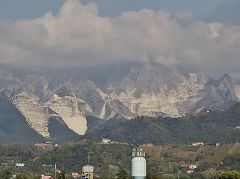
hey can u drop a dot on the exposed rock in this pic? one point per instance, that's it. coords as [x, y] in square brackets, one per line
[149, 89]
[67, 108]
[35, 114]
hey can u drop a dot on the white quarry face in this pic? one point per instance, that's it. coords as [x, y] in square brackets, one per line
[67, 109]
[34, 113]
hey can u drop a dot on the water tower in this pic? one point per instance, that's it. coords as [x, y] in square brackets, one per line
[138, 164]
[87, 172]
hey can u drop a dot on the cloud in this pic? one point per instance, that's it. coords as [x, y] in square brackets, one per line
[77, 35]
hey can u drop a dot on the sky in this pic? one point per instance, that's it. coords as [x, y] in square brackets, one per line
[193, 35]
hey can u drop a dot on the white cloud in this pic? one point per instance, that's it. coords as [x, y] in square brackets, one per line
[77, 35]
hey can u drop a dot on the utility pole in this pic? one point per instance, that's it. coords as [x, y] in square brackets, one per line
[88, 157]
[55, 168]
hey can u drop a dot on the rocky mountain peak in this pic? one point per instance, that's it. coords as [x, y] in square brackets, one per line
[92, 95]
[200, 78]
[65, 91]
[149, 77]
[226, 88]
[226, 77]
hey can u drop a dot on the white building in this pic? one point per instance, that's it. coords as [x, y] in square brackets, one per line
[106, 141]
[198, 144]
[87, 172]
[192, 166]
[20, 164]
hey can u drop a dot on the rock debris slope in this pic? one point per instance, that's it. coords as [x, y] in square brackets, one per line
[29, 107]
[65, 104]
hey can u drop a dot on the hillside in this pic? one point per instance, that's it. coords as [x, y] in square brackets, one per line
[170, 159]
[209, 126]
[106, 159]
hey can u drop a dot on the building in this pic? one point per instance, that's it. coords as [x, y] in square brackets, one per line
[189, 171]
[20, 164]
[87, 172]
[75, 175]
[138, 164]
[192, 166]
[198, 144]
[44, 177]
[44, 145]
[106, 141]
[185, 165]
[149, 145]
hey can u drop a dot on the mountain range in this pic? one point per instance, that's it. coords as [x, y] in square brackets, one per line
[61, 103]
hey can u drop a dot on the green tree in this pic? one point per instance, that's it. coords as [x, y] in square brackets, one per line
[152, 176]
[183, 177]
[229, 175]
[122, 174]
[21, 176]
[5, 174]
[61, 174]
[210, 173]
[168, 176]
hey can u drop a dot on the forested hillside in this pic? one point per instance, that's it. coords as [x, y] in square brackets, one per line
[165, 160]
[209, 127]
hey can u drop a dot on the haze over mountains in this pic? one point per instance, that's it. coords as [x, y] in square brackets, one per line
[60, 103]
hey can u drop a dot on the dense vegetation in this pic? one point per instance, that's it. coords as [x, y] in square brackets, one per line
[113, 160]
[209, 127]
[106, 159]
